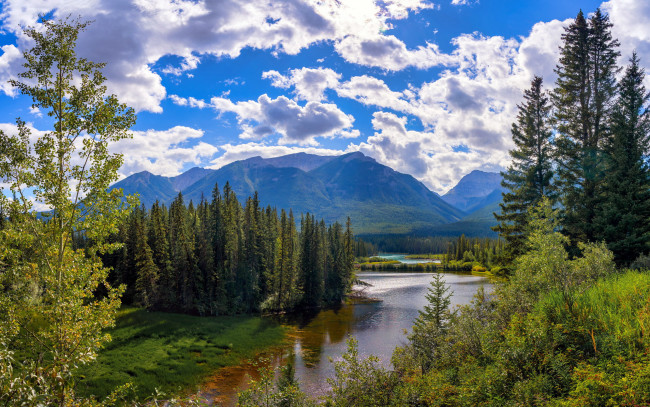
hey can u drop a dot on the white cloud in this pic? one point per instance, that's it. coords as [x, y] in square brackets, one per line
[390, 53]
[463, 2]
[429, 158]
[10, 63]
[35, 111]
[309, 83]
[631, 19]
[295, 123]
[163, 152]
[369, 90]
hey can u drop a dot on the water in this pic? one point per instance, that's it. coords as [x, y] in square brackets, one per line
[378, 327]
[402, 258]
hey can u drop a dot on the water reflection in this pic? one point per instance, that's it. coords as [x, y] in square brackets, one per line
[378, 326]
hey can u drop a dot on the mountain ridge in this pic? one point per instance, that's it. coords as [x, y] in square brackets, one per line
[376, 197]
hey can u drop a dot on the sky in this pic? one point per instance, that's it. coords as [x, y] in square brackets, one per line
[429, 88]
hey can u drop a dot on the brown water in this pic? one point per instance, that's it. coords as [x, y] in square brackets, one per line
[378, 326]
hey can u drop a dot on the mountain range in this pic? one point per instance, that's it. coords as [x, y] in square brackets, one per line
[378, 199]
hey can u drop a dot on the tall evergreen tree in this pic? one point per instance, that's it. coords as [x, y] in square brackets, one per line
[528, 178]
[624, 214]
[583, 99]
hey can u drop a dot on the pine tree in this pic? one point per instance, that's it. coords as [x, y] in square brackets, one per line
[528, 178]
[583, 98]
[624, 214]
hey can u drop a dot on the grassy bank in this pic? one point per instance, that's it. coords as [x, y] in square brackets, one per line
[173, 352]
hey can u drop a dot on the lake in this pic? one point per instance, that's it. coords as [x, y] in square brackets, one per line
[378, 327]
[402, 258]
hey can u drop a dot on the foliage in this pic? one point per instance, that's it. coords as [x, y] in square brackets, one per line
[266, 392]
[360, 381]
[51, 321]
[432, 323]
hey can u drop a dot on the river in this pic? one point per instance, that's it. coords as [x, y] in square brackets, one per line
[378, 327]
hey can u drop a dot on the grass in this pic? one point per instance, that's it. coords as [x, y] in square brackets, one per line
[173, 352]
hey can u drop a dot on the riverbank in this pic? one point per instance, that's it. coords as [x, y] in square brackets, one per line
[174, 353]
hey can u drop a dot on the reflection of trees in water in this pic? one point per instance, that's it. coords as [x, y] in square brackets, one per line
[319, 327]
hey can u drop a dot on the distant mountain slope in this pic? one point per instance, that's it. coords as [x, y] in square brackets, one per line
[189, 177]
[475, 191]
[372, 193]
[280, 187]
[376, 197]
[149, 186]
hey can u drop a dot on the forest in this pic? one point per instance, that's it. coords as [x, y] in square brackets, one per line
[221, 258]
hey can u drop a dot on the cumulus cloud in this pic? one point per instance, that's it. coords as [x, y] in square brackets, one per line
[132, 35]
[371, 91]
[295, 123]
[429, 158]
[163, 152]
[10, 63]
[631, 19]
[390, 53]
[308, 83]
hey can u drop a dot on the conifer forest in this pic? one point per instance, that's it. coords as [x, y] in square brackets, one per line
[536, 293]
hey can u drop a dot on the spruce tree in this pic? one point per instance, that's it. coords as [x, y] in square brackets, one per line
[432, 323]
[528, 178]
[583, 99]
[624, 214]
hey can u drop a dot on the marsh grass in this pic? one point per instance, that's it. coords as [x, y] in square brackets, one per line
[173, 353]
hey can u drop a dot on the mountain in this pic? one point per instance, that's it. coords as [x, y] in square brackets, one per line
[149, 186]
[303, 161]
[475, 190]
[377, 198]
[189, 177]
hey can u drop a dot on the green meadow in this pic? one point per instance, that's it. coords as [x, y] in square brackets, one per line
[173, 353]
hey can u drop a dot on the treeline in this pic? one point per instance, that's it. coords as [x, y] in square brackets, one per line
[222, 257]
[410, 244]
[479, 254]
[363, 248]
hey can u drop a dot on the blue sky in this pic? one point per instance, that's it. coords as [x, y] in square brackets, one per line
[428, 88]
